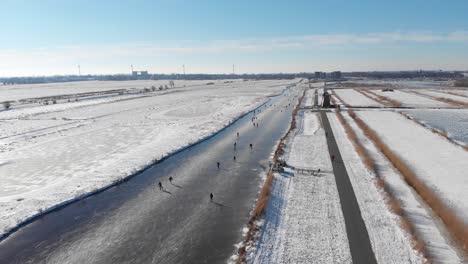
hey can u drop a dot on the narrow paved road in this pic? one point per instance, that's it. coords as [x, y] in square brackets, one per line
[137, 223]
[359, 242]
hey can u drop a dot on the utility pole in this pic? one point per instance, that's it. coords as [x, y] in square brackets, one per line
[233, 69]
[131, 66]
[183, 69]
[79, 70]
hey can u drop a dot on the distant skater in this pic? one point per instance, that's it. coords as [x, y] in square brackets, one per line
[217, 164]
[235, 145]
[333, 157]
[211, 196]
[160, 186]
[237, 134]
[170, 179]
[234, 158]
[251, 145]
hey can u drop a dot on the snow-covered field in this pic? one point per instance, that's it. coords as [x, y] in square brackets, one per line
[356, 99]
[438, 163]
[412, 100]
[454, 122]
[53, 153]
[24, 91]
[304, 221]
[461, 92]
[444, 95]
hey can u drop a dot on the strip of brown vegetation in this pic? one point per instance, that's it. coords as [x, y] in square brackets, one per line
[454, 224]
[392, 202]
[264, 195]
[384, 100]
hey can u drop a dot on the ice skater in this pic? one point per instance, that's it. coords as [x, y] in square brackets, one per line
[217, 164]
[235, 145]
[234, 158]
[160, 186]
[170, 179]
[251, 146]
[237, 134]
[211, 196]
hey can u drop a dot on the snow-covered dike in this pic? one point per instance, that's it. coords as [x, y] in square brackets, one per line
[441, 165]
[304, 221]
[51, 156]
[356, 99]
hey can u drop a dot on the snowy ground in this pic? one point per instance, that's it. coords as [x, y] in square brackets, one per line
[304, 221]
[53, 153]
[356, 99]
[461, 92]
[454, 122]
[442, 165]
[24, 91]
[437, 94]
[309, 98]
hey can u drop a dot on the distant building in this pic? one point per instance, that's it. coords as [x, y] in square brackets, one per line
[335, 75]
[320, 75]
[140, 74]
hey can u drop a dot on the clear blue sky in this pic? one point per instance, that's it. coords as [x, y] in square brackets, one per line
[43, 37]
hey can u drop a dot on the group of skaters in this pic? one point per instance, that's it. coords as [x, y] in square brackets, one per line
[218, 165]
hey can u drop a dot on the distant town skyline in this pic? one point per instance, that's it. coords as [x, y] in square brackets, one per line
[106, 37]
